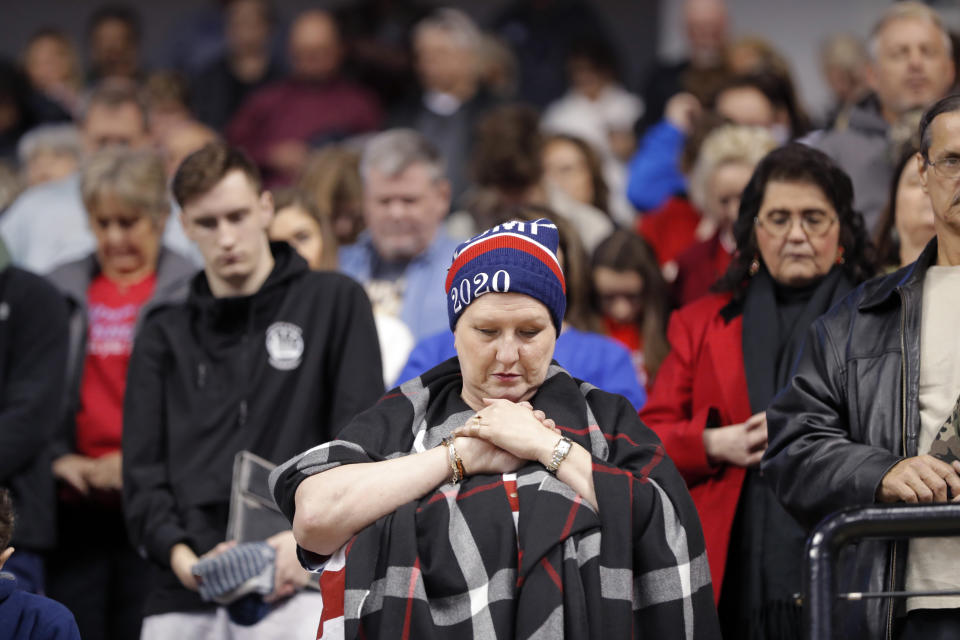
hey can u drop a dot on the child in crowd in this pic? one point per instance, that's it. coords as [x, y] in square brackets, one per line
[632, 298]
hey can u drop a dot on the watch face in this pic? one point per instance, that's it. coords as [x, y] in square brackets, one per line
[559, 453]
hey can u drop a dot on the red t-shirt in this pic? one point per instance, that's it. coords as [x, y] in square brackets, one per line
[630, 336]
[111, 313]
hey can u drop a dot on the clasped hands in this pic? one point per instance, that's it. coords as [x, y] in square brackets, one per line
[503, 436]
[84, 473]
[741, 444]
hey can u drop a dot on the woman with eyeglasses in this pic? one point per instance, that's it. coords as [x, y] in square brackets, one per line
[800, 248]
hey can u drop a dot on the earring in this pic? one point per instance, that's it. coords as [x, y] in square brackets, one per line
[840, 259]
[754, 266]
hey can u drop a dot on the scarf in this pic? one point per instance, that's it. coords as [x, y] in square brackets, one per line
[770, 346]
[765, 555]
[455, 563]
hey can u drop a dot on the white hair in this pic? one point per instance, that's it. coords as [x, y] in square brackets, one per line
[136, 178]
[458, 25]
[393, 151]
[59, 139]
[908, 10]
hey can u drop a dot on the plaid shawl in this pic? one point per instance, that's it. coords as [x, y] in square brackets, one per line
[456, 564]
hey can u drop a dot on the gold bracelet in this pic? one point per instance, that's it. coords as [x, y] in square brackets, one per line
[456, 455]
[456, 464]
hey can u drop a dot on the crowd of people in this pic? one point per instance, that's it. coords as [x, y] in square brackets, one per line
[530, 354]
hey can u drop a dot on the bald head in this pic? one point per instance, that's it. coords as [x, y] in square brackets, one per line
[706, 26]
[315, 51]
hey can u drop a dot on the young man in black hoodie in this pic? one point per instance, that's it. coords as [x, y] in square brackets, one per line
[265, 356]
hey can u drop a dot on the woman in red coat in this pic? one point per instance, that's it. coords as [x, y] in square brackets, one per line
[800, 248]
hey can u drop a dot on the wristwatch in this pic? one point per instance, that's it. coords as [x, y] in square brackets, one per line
[560, 452]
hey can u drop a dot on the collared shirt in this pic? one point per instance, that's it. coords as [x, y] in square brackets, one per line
[424, 303]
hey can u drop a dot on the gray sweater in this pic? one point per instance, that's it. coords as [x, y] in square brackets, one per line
[863, 151]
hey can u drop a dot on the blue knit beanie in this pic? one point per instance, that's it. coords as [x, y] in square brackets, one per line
[513, 257]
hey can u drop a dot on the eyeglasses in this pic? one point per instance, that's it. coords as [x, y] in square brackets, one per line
[947, 168]
[814, 222]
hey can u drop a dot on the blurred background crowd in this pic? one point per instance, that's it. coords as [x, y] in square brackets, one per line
[544, 101]
[634, 125]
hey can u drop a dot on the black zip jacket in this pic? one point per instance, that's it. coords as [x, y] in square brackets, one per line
[851, 413]
[33, 353]
[275, 373]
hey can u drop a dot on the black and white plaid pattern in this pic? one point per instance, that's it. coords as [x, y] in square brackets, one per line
[447, 565]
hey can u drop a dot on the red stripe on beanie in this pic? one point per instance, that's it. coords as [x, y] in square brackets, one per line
[504, 241]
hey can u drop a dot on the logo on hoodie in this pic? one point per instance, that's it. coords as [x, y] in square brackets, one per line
[284, 345]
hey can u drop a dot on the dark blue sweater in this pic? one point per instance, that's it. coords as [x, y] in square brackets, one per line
[26, 616]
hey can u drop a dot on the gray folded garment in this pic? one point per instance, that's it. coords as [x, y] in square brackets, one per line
[244, 569]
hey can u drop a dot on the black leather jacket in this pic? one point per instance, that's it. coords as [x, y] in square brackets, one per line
[849, 414]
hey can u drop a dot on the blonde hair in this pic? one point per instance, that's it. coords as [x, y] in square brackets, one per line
[136, 178]
[766, 57]
[286, 197]
[844, 51]
[331, 179]
[727, 144]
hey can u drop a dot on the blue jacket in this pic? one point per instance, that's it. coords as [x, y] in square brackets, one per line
[27, 616]
[591, 357]
[654, 171]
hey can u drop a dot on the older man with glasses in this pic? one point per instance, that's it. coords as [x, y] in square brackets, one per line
[873, 415]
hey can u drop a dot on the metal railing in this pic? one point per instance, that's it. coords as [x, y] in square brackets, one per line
[836, 531]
